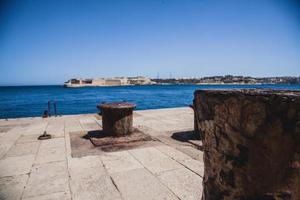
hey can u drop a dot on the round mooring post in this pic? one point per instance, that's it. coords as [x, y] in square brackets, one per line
[117, 118]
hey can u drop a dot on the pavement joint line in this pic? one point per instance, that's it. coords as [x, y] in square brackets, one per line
[111, 178]
[98, 123]
[13, 176]
[81, 125]
[33, 164]
[15, 141]
[155, 176]
[67, 161]
[57, 161]
[180, 162]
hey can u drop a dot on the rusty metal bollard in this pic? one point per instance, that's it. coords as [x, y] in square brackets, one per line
[117, 118]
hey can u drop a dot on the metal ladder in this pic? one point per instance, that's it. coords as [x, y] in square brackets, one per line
[54, 107]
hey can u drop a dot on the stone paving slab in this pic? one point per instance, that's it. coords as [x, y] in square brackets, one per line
[46, 179]
[27, 139]
[46, 155]
[195, 166]
[86, 166]
[56, 128]
[12, 166]
[52, 196]
[22, 149]
[36, 128]
[4, 147]
[94, 188]
[32, 169]
[72, 125]
[119, 162]
[183, 183]
[12, 187]
[53, 143]
[173, 153]
[190, 163]
[89, 124]
[89, 179]
[141, 184]
[154, 160]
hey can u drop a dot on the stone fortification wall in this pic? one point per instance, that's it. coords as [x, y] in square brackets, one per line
[251, 141]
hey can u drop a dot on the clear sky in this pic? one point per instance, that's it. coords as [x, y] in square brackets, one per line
[48, 42]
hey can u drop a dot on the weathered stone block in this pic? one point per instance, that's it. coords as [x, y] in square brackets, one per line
[251, 142]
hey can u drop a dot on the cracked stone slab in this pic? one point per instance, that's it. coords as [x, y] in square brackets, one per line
[183, 183]
[89, 179]
[173, 153]
[119, 162]
[85, 166]
[23, 149]
[17, 165]
[4, 147]
[12, 187]
[27, 139]
[141, 184]
[36, 128]
[154, 160]
[191, 151]
[93, 188]
[195, 166]
[53, 143]
[53, 196]
[46, 155]
[47, 179]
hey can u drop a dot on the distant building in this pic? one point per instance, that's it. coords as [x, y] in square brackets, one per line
[115, 81]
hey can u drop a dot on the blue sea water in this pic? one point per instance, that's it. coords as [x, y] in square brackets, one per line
[28, 101]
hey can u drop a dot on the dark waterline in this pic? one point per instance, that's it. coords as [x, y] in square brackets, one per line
[29, 101]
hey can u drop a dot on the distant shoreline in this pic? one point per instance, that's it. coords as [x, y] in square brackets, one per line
[158, 84]
[29, 101]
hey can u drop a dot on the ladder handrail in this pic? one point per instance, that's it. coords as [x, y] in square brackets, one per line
[49, 107]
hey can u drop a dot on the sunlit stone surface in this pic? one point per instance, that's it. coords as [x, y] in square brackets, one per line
[34, 169]
[251, 141]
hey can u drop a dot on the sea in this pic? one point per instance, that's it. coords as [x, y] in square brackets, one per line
[32, 101]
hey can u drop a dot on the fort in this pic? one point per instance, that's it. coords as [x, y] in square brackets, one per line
[115, 81]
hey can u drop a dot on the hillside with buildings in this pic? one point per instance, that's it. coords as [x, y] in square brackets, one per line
[141, 80]
[115, 81]
[229, 79]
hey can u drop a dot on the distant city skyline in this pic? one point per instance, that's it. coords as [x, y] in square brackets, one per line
[49, 42]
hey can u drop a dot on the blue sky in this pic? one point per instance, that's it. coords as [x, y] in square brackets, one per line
[48, 42]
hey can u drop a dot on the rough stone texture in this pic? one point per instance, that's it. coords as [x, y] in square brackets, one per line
[251, 142]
